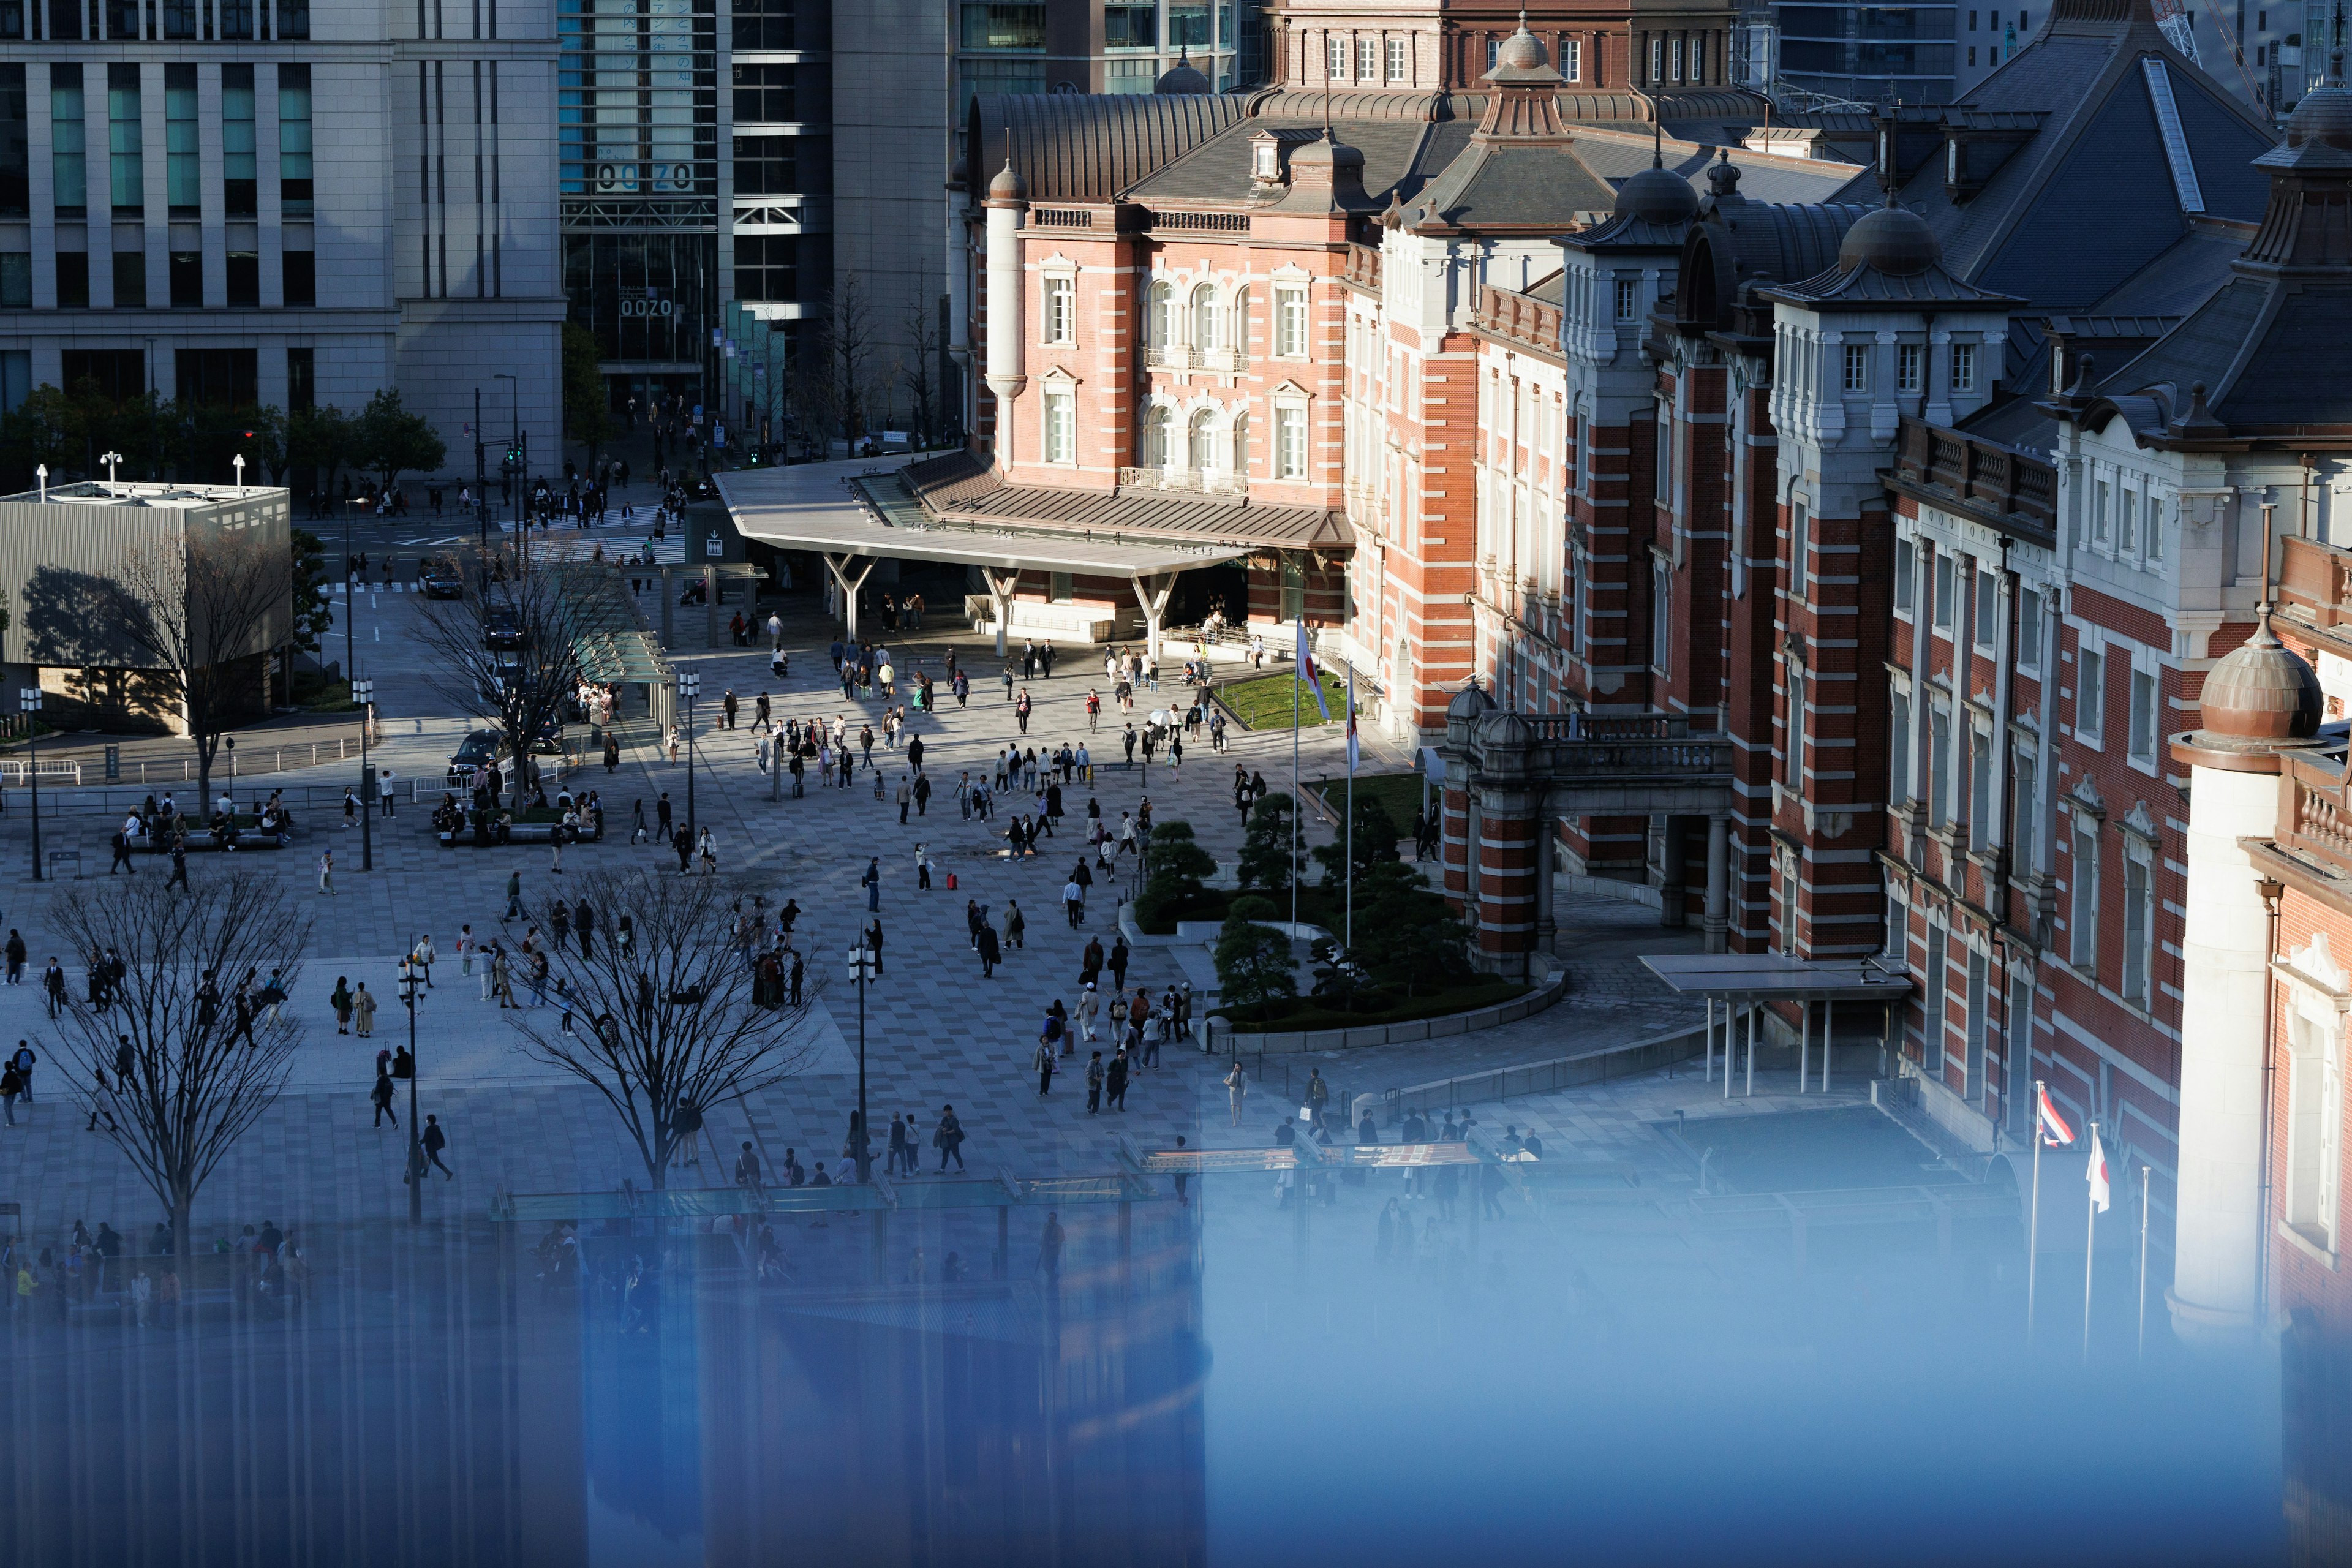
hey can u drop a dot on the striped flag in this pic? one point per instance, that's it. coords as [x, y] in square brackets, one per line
[1351, 720]
[2054, 1130]
[2098, 1172]
[1310, 673]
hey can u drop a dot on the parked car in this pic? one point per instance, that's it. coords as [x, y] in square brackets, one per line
[440, 579]
[697, 488]
[502, 627]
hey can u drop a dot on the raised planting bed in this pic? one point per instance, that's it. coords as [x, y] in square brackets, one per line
[1263, 701]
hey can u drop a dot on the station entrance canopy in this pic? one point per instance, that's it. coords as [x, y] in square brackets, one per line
[955, 511]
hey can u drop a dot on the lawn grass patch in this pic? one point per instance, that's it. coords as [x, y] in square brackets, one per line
[1399, 794]
[1264, 703]
[1308, 1013]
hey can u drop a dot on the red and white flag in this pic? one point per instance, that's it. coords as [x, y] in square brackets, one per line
[2053, 1126]
[2098, 1174]
[1310, 673]
[1351, 719]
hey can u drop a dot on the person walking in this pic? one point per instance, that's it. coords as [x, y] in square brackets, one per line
[514, 898]
[22, 1065]
[922, 868]
[1118, 958]
[326, 872]
[948, 1137]
[1236, 1089]
[990, 950]
[434, 1141]
[53, 987]
[1090, 1009]
[381, 1098]
[1022, 710]
[872, 883]
[1094, 1083]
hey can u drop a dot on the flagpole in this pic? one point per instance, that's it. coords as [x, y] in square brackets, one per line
[1297, 804]
[2143, 1262]
[2033, 1217]
[1349, 865]
[2090, 1240]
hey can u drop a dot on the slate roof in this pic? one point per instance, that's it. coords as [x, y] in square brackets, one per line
[1075, 147]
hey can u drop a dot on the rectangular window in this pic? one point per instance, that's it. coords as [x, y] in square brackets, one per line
[1397, 60]
[236, 19]
[73, 283]
[767, 267]
[294, 140]
[2021, 813]
[1793, 742]
[294, 18]
[1629, 298]
[764, 93]
[2090, 694]
[1290, 322]
[1941, 610]
[182, 177]
[16, 136]
[2099, 512]
[1980, 766]
[1936, 1006]
[1789, 907]
[767, 166]
[1571, 59]
[2143, 716]
[1133, 27]
[1940, 766]
[1060, 426]
[1290, 443]
[302, 380]
[125, 140]
[1367, 60]
[1899, 927]
[2315, 1128]
[1979, 974]
[240, 184]
[1857, 367]
[180, 20]
[1059, 587]
[1906, 562]
[223, 377]
[1662, 612]
[1988, 609]
[1335, 61]
[1294, 590]
[243, 276]
[15, 379]
[1964, 367]
[2140, 926]
[69, 141]
[298, 272]
[2155, 530]
[1907, 358]
[1799, 550]
[2127, 522]
[1898, 747]
[2029, 629]
[186, 269]
[129, 279]
[1658, 59]
[2083, 903]
[15, 279]
[1674, 59]
[1061, 311]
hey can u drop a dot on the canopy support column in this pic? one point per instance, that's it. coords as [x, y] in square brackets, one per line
[839, 567]
[1152, 592]
[1829, 1038]
[999, 594]
[1804, 1043]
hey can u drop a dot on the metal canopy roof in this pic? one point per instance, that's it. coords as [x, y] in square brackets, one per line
[820, 507]
[1772, 976]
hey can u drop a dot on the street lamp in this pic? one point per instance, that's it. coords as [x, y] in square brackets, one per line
[364, 693]
[28, 698]
[409, 981]
[110, 459]
[690, 686]
[864, 967]
[515, 445]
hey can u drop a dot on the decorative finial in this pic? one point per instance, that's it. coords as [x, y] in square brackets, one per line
[1657, 145]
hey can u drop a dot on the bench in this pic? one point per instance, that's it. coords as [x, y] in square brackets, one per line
[521, 833]
[202, 838]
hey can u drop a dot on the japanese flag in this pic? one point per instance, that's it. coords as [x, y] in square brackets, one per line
[1308, 673]
[2098, 1172]
[1352, 719]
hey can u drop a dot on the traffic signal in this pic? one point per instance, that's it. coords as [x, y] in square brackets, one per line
[512, 463]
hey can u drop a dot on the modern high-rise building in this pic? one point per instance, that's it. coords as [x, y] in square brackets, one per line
[259, 202]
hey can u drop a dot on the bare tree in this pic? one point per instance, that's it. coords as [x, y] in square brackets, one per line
[524, 683]
[205, 1057]
[922, 374]
[668, 1021]
[849, 329]
[198, 610]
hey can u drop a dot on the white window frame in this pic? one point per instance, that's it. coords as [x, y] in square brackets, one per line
[1898, 748]
[1910, 367]
[2144, 715]
[1057, 429]
[1977, 1003]
[1661, 603]
[1854, 362]
[1625, 297]
[1907, 570]
[1985, 628]
[1292, 320]
[1336, 50]
[2024, 817]
[2155, 528]
[1658, 59]
[1571, 59]
[1367, 60]
[1291, 437]
[1058, 319]
[2137, 981]
[2314, 1120]
[1935, 1001]
[1800, 544]
[1964, 367]
[1400, 60]
[1943, 587]
[2031, 607]
[2090, 694]
[1941, 800]
[2083, 895]
[2102, 488]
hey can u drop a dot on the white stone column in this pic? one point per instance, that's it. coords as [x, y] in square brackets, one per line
[1007, 200]
[2224, 1005]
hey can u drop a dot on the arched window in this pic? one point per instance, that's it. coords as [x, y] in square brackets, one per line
[1204, 318]
[1240, 446]
[1241, 337]
[1157, 426]
[1204, 452]
[1160, 320]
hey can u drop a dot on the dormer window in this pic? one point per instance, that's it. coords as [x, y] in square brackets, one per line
[1265, 159]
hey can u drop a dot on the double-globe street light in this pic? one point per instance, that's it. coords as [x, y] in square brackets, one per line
[689, 687]
[864, 968]
[411, 979]
[364, 694]
[28, 698]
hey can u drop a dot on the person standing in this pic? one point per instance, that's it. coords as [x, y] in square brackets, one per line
[53, 987]
[23, 1063]
[1090, 1009]
[434, 1141]
[922, 868]
[514, 898]
[1093, 1083]
[1236, 1089]
[326, 872]
[872, 883]
[341, 1002]
[1115, 1081]
[990, 952]
[1044, 1062]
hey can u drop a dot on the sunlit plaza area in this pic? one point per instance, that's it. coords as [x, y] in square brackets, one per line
[1238, 782]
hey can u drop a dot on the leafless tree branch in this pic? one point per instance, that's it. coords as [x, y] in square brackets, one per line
[521, 689]
[197, 611]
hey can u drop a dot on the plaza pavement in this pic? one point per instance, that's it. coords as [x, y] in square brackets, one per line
[937, 1033]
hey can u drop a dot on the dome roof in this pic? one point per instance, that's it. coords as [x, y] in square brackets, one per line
[2263, 691]
[1657, 196]
[1181, 78]
[1323, 150]
[1893, 240]
[1470, 703]
[1008, 185]
[1521, 51]
[2324, 116]
[1505, 729]
[959, 174]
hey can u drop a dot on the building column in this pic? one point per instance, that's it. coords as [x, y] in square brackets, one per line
[1504, 857]
[1672, 850]
[999, 594]
[1153, 593]
[839, 567]
[2224, 1007]
[1718, 883]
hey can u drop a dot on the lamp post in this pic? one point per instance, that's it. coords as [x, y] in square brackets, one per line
[28, 698]
[112, 459]
[515, 444]
[690, 686]
[863, 967]
[409, 980]
[364, 693]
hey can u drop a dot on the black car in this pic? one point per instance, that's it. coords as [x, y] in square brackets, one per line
[440, 579]
[502, 627]
[697, 488]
